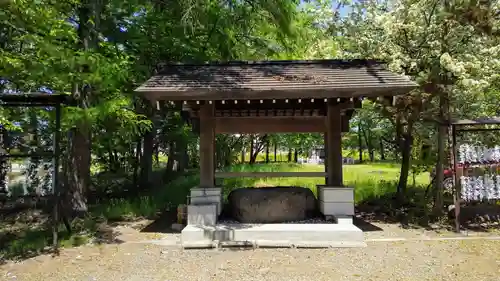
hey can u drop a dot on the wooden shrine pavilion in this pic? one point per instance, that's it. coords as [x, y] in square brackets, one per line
[273, 97]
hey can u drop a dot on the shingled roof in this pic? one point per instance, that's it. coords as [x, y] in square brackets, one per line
[275, 80]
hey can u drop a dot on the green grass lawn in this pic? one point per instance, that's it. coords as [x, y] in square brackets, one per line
[369, 180]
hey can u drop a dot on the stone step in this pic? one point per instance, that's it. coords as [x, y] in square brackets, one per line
[277, 235]
[343, 219]
[199, 245]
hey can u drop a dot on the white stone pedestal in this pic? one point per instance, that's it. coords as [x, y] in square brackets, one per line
[205, 205]
[202, 214]
[337, 202]
[202, 196]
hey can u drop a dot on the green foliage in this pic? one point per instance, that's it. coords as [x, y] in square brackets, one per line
[424, 40]
[162, 198]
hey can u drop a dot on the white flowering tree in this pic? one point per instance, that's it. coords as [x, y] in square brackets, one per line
[451, 48]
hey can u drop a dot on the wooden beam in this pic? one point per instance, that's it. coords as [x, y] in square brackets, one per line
[207, 146]
[254, 125]
[277, 124]
[266, 113]
[227, 175]
[271, 107]
[334, 146]
[290, 93]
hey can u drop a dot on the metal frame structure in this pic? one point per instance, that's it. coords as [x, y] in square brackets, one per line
[43, 100]
[466, 126]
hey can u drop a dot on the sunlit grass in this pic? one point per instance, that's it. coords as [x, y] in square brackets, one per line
[367, 179]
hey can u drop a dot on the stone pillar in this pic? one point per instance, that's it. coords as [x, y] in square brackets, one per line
[207, 146]
[334, 145]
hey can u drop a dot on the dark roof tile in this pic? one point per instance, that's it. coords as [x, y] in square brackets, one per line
[356, 75]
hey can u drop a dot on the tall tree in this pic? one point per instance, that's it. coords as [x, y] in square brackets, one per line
[433, 42]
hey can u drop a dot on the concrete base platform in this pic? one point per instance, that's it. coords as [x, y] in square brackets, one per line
[272, 235]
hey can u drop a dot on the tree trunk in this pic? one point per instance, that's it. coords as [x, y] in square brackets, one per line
[369, 146]
[371, 154]
[252, 144]
[243, 152]
[441, 161]
[77, 172]
[256, 147]
[147, 158]
[228, 159]
[253, 158]
[267, 151]
[147, 146]
[3, 162]
[289, 155]
[405, 141]
[296, 155]
[360, 143]
[77, 166]
[137, 161]
[405, 149]
[275, 152]
[382, 149]
[171, 157]
[183, 157]
[156, 154]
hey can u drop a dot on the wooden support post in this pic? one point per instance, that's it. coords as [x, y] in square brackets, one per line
[325, 159]
[207, 146]
[456, 178]
[334, 145]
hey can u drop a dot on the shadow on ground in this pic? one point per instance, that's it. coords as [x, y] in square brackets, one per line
[365, 226]
[163, 224]
[414, 210]
[480, 217]
[28, 234]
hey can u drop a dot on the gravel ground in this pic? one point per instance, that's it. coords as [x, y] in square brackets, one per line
[423, 256]
[410, 260]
